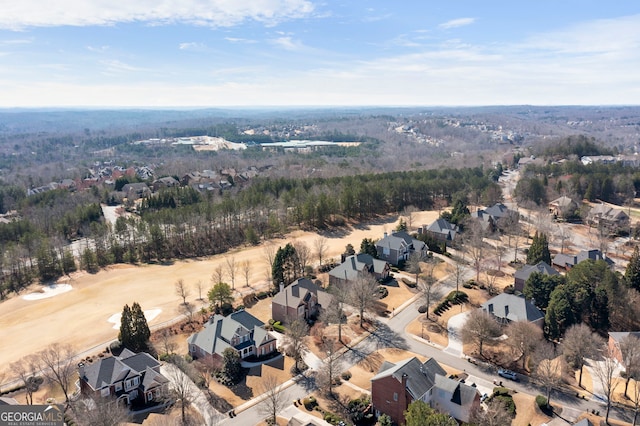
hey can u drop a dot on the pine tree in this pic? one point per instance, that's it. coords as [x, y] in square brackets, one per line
[632, 273]
[140, 327]
[539, 250]
[126, 333]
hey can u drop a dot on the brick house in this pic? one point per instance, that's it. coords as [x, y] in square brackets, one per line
[132, 377]
[398, 385]
[615, 337]
[354, 266]
[522, 275]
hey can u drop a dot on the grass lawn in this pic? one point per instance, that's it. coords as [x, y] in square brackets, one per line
[249, 387]
[397, 295]
[527, 412]
[261, 310]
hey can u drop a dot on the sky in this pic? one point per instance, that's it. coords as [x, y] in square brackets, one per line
[201, 53]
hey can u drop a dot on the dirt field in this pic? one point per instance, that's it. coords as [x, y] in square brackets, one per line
[79, 317]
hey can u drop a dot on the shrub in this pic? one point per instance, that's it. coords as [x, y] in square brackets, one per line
[422, 309]
[509, 289]
[542, 402]
[467, 285]
[457, 297]
[383, 292]
[249, 300]
[499, 390]
[262, 295]
[346, 375]
[278, 327]
[332, 418]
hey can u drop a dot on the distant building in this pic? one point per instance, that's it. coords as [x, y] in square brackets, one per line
[397, 247]
[522, 275]
[507, 308]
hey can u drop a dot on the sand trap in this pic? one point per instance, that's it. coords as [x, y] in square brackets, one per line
[149, 315]
[48, 291]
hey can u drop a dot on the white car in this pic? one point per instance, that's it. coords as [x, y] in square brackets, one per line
[507, 374]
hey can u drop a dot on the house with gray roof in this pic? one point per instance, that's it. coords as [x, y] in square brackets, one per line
[241, 331]
[615, 337]
[491, 217]
[568, 261]
[397, 247]
[398, 385]
[441, 230]
[522, 275]
[357, 265]
[608, 218]
[301, 299]
[508, 308]
[135, 191]
[563, 207]
[131, 377]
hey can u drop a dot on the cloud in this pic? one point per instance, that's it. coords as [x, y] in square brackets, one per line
[240, 40]
[287, 43]
[18, 15]
[116, 67]
[193, 46]
[98, 49]
[16, 41]
[455, 23]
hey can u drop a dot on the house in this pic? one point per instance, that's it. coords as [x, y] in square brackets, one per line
[398, 385]
[302, 299]
[134, 378]
[568, 261]
[165, 182]
[356, 265]
[608, 218]
[563, 207]
[240, 331]
[615, 337]
[137, 190]
[522, 275]
[397, 247]
[441, 230]
[508, 308]
[491, 217]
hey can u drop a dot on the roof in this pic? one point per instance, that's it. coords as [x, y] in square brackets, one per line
[461, 393]
[563, 202]
[512, 308]
[541, 267]
[569, 260]
[399, 240]
[619, 335]
[443, 226]
[497, 211]
[356, 264]
[114, 369]
[219, 331]
[297, 293]
[420, 376]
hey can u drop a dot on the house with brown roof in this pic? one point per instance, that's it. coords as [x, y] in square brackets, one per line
[131, 377]
[301, 299]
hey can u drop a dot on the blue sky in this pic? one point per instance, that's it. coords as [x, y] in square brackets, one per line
[163, 53]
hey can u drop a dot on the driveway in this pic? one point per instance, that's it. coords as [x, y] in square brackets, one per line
[454, 326]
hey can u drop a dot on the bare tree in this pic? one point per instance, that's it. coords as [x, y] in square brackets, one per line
[182, 290]
[479, 328]
[605, 370]
[458, 272]
[330, 369]
[636, 402]
[169, 346]
[218, 274]
[475, 245]
[98, 411]
[273, 399]
[363, 294]
[413, 265]
[57, 366]
[232, 269]
[513, 229]
[578, 344]
[304, 255]
[548, 369]
[187, 310]
[181, 385]
[496, 414]
[199, 287]
[26, 369]
[294, 337]
[269, 252]
[522, 338]
[408, 212]
[630, 351]
[564, 235]
[245, 266]
[320, 245]
[208, 366]
[334, 312]
[429, 289]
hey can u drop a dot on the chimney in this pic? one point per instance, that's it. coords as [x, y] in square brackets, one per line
[81, 370]
[506, 311]
[281, 286]
[385, 234]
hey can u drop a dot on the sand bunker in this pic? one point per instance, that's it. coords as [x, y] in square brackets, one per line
[48, 291]
[149, 315]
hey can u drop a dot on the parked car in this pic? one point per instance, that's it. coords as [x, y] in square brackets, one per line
[484, 397]
[507, 374]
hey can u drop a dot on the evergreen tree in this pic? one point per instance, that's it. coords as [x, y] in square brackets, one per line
[539, 250]
[402, 225]
[368, 246]
[559, 315]
[540, 286]
[419, 413]
[231, 364]
[126, 332]
[632, 273]
[220, 294]
[134, 330]
[285, 265]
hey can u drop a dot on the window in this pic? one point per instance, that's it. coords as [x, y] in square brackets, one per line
[118, 386]
[395, 396]
[136, 381]
[105, 392]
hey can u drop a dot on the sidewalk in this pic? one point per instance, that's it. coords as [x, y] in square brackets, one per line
[454, 325]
